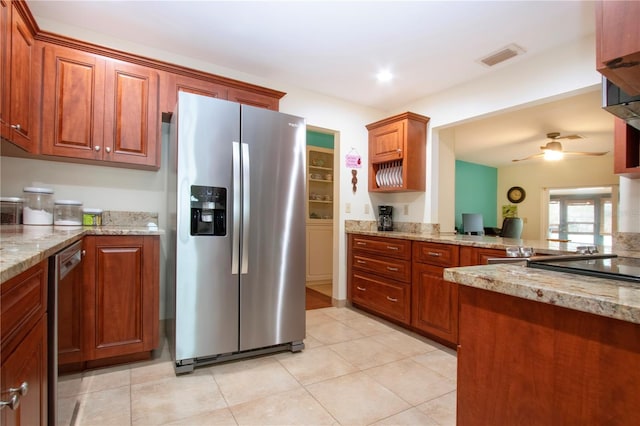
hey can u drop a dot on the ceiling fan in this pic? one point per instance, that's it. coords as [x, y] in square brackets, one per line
[553, 149]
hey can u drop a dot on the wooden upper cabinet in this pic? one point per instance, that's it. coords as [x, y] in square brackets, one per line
[73, 98]
[397, 153]
[248, 97]
[626, 157]
[175, 83]
[100, 109]
[618, 43]
[131, 116]
[19, 80]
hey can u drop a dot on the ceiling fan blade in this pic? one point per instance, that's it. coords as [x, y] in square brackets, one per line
[530, 157]
[574, 136]
[594, 154]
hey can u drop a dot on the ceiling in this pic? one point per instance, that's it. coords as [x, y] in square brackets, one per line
[336, 48]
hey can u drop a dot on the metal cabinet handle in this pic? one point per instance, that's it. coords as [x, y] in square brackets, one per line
[16, 127]
[13, 403]
[97, 148]
[393, 248]
[108, 149]
[432, 253]
[391, 299]
[361, 262]
[361, 243]
[389, 268]
[361, 288]
[22, 390]
[83, 253]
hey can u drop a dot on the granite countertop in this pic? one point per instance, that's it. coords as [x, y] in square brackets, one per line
[21, 247]
[605, 297]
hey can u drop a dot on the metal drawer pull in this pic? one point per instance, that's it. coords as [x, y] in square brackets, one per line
[360, 261]
[433, 253]
[22, 390]
[361, 243]
[392, 269]
[393, 248]
[13, 403]
[361, 288]
[16, 127]
[391, 299]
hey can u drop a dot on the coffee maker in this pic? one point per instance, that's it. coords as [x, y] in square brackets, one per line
[385, 221]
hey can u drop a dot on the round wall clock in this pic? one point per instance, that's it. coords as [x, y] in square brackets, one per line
[516, 194]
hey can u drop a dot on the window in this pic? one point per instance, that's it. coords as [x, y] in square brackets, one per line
[581, 215]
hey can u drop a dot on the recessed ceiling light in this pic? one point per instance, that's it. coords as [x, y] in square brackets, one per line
[384, 76]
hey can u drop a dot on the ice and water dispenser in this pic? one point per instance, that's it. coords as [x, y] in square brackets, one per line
[208, 210]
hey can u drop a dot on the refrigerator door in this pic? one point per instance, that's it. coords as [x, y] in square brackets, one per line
[206, 298]
[272, 291]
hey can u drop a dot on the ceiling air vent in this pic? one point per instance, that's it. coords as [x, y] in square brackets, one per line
[502, 55]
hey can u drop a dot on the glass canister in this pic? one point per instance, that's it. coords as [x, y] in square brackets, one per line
[68, 212]
[92, 217]
[11, 210]
[38, 206]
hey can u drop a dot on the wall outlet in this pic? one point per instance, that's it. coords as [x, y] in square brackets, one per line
[406, 210]
[347, 208]
[524, 220]
[366, 208]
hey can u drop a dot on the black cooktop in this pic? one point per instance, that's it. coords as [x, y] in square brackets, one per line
[618, 268]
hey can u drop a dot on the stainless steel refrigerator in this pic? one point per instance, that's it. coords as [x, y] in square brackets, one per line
[236, 272]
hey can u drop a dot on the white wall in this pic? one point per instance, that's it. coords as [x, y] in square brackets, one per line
[537, 176]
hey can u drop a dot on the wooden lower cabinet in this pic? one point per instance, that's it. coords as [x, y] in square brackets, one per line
[120, 296]
[23, 326]
[386, 297]
[434, 303]
[470, 256]
[380, 276]
[526, 362]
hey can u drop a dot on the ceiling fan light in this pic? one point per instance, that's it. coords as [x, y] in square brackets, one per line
[553, 155]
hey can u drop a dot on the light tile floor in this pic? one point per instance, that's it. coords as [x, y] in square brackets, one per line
[355, 370]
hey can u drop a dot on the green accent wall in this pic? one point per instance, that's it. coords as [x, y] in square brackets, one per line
[322, 140]
[476, 192]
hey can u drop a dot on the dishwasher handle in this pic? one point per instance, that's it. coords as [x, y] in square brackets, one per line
[69, 259]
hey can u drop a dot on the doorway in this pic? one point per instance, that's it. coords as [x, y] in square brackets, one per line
[582, 215]
[322, 197]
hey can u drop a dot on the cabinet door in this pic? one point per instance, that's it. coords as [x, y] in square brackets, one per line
[319, 252]
[121, 295]
[131, 117]
[175, 83]
[20, 100]
[626, 159]
[434, 303]
[470, 256]
[247, 97]
[74, 103]
[27, 364]
[618, 43]
[386, 143]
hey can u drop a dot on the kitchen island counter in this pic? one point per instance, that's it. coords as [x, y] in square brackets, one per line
[22, 247]
[605, 297]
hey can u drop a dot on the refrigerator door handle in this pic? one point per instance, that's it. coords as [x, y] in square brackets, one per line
[236, 209]
[245, 209]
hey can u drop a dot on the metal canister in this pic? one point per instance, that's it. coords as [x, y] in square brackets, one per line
[11, 210]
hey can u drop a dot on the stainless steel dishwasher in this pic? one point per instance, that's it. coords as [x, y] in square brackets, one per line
[63, 269]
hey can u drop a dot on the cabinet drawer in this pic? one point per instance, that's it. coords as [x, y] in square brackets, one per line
[391, 247]
[436, 254]
[385, 297]
[392, 268]
[23, 301]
